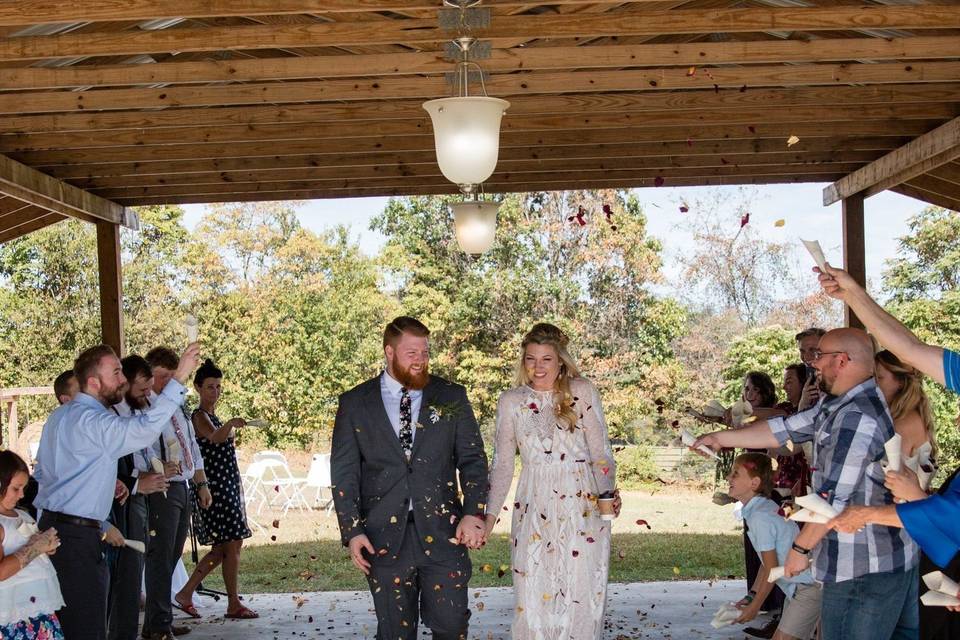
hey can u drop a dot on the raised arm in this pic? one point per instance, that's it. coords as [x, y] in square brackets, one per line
[889, 331]
[504, 456]
[598, 440]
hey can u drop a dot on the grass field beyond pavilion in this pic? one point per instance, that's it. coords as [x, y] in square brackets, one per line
[689, 538]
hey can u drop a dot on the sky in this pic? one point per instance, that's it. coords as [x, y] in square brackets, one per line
[800, 206]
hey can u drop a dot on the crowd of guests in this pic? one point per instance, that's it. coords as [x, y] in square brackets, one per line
[121, 474]
[858, 575]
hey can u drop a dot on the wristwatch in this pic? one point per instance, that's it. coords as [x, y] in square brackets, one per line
[801, 550]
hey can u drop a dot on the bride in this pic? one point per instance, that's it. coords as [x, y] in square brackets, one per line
[560, 545]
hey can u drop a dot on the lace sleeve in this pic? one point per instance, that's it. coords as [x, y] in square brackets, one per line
[504, 455]
[598, 441]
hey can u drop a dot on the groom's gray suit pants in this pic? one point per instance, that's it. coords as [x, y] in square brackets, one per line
[417, 584]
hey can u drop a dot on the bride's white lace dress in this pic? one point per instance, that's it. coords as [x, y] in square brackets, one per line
[560, 546]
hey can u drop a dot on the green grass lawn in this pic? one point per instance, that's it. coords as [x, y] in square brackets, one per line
[322, 565]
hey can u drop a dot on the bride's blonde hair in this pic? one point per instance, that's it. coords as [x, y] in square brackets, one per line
[548, 334]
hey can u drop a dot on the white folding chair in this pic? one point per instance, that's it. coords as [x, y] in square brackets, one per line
[276, 479]
[319, 478]
[270, 455]
[252, 480]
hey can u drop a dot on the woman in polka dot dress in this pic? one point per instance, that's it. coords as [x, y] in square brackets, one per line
[224, 524]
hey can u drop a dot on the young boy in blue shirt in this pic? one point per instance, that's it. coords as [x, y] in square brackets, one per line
[751, 482]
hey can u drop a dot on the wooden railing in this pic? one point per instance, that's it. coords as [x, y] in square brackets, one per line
[8, 401]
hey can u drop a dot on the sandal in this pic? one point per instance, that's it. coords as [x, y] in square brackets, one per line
[242, 614]
[188, 608]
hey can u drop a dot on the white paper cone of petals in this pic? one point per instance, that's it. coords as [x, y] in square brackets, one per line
[193, 328]
[157, 468]
[136, 545]
[714, 409]
[775, 574]
[893, 448]
[726, 615]
[466, 134]
[816, 252]
[815, 509]
[688, 439]
[936, 581]
[937, 599]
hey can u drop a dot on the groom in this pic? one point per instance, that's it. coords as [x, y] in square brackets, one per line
[398, 442]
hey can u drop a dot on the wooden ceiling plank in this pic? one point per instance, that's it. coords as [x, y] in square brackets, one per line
[494, 184]
[28, 12]
[343, 131]
[36, 224]
[152, 173]
[908, 189]
[509, 139]
[651, 23]
[34, 187]
[915, 158]
[501, 60]
[520, 105]
[502, 85]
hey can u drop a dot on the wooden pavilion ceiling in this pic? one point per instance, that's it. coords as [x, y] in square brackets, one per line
[144, 102]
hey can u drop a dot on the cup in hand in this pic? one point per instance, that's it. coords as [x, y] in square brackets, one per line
[605, 505]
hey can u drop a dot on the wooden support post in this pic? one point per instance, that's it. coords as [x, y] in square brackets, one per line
[854, 250]
[111, 286]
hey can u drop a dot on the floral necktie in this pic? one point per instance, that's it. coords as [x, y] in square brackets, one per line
[406, 431]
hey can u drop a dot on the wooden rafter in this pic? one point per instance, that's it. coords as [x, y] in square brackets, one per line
[333, 34]
[31, 186]
[929, 151]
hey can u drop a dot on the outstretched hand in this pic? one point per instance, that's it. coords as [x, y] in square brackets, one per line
[472, 532]
[711, 440]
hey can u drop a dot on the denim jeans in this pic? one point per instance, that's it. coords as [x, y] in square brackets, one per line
[876, 606]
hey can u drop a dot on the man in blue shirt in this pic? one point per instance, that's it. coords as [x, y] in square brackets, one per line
[77, 472]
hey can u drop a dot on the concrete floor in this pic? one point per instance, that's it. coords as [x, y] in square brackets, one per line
[653, 610]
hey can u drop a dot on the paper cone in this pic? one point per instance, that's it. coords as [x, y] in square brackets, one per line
[816, 252]
[256, 422]
[157, 468]
[815, 503]
[688, 439]
[936, 581]
[714, 409]
[937, 599]
[806, 515]
[136, 545]
[192, 327]
[894, 450]
[726, 615]
[775, 574]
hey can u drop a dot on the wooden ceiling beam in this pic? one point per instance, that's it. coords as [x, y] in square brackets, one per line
[521, 187]
[947, 202]
[28, 12]
[501, 61]
[320, 34]
[31, 186]
[344, 132]
[501, 85]
[678, 101]
[937, 147]
[170, 172]
[895, 128]
[38, 222]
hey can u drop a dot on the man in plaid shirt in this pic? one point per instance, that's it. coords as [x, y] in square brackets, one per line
[870, 576]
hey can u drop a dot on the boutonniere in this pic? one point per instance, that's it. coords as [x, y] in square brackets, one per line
[438, 412]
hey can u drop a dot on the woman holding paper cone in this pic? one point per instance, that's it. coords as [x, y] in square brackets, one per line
[224, 524]
[29, 589]
[560, 544]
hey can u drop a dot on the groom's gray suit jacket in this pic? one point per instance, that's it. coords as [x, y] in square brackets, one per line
[374, 482]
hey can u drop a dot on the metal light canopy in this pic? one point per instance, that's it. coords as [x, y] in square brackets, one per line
[475, 225]
[466, 129]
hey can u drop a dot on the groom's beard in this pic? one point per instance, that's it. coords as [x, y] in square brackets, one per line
[138, 404]
[409, 379]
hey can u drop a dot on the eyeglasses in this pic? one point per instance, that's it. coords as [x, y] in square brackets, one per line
[817, 354]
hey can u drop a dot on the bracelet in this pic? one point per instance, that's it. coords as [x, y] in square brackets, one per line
[748, 598]
[801, 550]
[202, 484]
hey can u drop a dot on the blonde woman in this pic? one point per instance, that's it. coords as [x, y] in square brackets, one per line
[560, 545]
[902, 388]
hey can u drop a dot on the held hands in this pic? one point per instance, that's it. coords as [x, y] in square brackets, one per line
[188, 362]
[204, 497]
[850, 520]
[904, 485]
[491, 522]
[357, 545]
[113, 537]
[121, 492]
[472, 532]
[152, 483]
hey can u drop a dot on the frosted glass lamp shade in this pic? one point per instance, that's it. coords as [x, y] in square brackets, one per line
[466, 133]
[475, 224]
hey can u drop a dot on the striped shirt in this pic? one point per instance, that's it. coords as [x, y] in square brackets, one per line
[848, 432]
